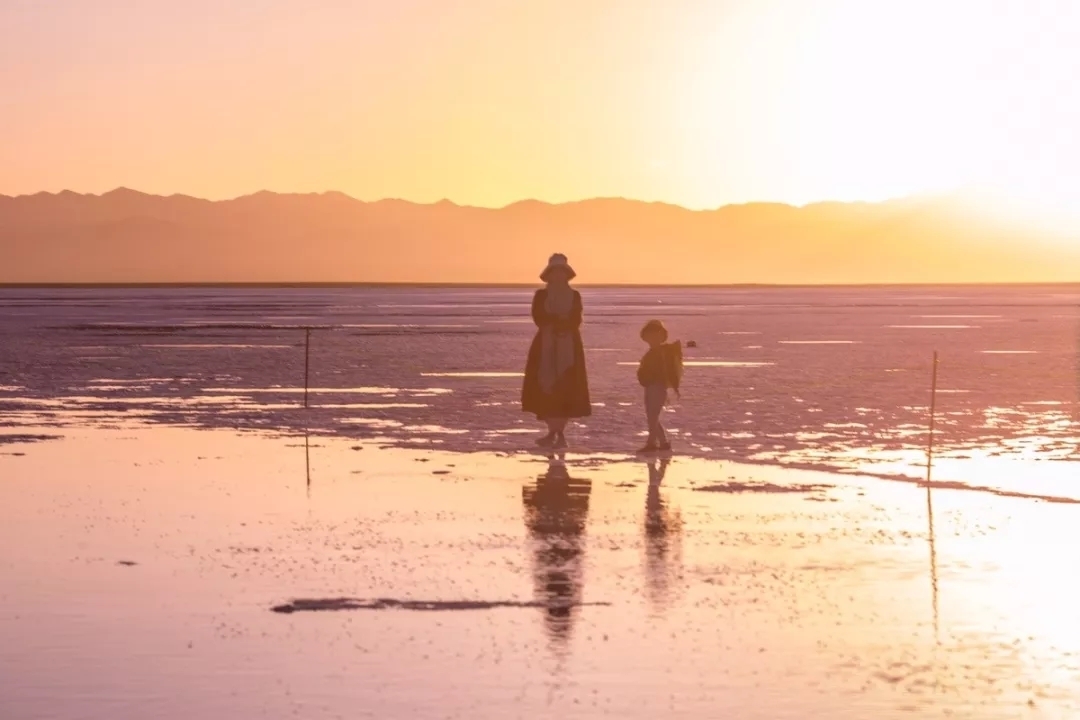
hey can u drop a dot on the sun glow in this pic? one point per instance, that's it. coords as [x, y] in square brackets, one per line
[924, 96]
[871, 100]
[486, 103]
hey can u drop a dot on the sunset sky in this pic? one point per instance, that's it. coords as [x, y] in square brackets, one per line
[484, 102]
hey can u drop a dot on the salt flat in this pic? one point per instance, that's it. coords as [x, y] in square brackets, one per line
[142, 563]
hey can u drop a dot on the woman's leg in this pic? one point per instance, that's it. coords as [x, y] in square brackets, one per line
[549, 439]
[559, 428]
[555, 435]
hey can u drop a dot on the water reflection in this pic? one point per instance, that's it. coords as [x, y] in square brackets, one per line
[663, 541]
[556, 509]
[307, 458]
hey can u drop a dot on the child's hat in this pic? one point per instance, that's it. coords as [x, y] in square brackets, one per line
[654, 326]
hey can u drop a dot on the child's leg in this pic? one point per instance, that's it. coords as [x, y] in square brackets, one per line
[651, 442]
[654, 403]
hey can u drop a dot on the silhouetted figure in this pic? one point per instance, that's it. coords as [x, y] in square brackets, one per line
[556, 385]
[556, 508]
[663, 533]
[656, 373]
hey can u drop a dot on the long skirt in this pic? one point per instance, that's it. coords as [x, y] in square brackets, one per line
[570, 396]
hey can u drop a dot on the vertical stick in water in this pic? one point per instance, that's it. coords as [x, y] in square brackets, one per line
[933, 408]
[307, 362]
[930, 505]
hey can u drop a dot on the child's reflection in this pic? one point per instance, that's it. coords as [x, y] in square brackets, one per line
[663, 535]
[556, 508]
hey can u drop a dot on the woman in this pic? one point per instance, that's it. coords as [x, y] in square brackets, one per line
[556, 386]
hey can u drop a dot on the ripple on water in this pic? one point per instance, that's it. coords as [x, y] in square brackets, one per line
[131, 381]
[215, 346]
[372, 422]
[933, 327]
[433, 430]
[404, 326]
[716, 363]
[373, 390]
[474, 374]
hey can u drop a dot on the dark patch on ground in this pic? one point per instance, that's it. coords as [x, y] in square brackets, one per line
[763, 487]
[10, 439]
[347, 603]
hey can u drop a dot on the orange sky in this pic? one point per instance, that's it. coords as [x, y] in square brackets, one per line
[696, 102]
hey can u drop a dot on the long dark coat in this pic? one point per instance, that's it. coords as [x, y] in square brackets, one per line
[571, 396]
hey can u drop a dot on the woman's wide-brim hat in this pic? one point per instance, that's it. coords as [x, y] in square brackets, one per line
[558, 261]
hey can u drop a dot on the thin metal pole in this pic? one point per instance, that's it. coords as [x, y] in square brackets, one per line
[930, 506]
[307, 362]
[933, 409]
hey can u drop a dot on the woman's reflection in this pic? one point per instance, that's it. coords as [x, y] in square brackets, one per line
[556, 508]
[663, 546]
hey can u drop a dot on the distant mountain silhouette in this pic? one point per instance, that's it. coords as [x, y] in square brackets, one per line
[128, 236]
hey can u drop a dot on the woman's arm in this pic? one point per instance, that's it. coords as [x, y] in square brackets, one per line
[574, 319]
[539, 314]
[577, 313]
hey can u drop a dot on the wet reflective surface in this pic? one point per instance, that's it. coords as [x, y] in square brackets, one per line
[142, 566]
[828, 378]
[180, 537]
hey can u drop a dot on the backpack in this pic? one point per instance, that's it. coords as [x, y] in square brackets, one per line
[673, 365]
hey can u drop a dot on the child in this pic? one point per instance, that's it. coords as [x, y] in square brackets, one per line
[656, 377]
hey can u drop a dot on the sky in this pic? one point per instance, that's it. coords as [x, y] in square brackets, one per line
[485, 102]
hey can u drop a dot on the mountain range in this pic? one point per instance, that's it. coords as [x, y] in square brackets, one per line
[125, 236]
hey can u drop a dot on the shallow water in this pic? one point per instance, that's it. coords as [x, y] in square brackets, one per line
[142, 567]
[836, 378]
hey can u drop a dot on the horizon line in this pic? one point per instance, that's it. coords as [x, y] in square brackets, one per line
[445, 201]
[516, 285]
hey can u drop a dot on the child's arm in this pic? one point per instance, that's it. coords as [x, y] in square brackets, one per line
[642, 375]
[650, 371]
